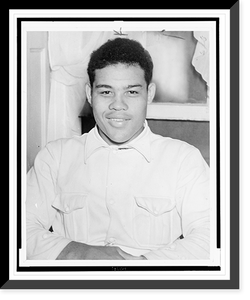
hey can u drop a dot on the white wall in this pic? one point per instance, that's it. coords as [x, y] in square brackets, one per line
[38, 80]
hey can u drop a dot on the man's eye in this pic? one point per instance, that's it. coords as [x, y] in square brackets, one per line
[133, 93]
[105, 93]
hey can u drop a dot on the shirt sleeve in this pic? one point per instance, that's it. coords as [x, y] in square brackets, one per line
[193, 206]
[41, 192]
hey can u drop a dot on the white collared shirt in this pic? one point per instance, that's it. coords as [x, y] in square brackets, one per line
[141, 196]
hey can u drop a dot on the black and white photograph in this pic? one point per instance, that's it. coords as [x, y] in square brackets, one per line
[123, 120]
[121, 190]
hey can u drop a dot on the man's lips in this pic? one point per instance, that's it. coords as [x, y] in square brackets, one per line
[118, 121]
[118, 118]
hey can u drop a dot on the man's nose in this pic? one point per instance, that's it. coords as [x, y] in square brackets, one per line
[118, 103]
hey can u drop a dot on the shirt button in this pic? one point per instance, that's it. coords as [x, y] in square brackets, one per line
[45, 235]
[112, 240]
[156, 212]
[171, 247]
[66, 208]
[111, 201]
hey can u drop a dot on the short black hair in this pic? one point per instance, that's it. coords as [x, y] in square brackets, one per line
[120, 50]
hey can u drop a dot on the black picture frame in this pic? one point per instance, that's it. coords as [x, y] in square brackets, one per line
[233, 281]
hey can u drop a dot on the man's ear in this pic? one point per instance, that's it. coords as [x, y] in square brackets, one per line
[151, 92]
[88, 93]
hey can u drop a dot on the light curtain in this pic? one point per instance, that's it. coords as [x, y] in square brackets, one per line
[201, 56]
[69, 53]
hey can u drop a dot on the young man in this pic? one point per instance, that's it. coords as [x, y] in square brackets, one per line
[119, 191]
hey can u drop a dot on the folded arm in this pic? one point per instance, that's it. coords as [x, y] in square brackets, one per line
[41, 192]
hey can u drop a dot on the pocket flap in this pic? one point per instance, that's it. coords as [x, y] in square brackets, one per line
[154, 205]
[68, 202]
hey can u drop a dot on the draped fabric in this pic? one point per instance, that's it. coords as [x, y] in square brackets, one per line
[201, 56]
[69, 53]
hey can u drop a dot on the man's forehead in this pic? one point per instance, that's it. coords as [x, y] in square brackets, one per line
[127, 75]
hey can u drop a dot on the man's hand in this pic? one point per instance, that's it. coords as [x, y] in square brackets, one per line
[127, 256]
[80, 251]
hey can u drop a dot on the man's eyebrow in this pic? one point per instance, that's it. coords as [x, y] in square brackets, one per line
[133, 86]
[106, 86]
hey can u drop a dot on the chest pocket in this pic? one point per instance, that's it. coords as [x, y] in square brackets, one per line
[153, 221]
[71, 219]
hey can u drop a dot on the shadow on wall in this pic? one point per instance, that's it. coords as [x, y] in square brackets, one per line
[192, 132]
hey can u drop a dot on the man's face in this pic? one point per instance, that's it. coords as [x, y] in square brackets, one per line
[119, 99]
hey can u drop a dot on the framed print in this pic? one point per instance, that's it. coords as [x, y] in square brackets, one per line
[146, 201]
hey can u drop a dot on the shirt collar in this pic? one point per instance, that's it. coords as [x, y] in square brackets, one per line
[94, 142]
